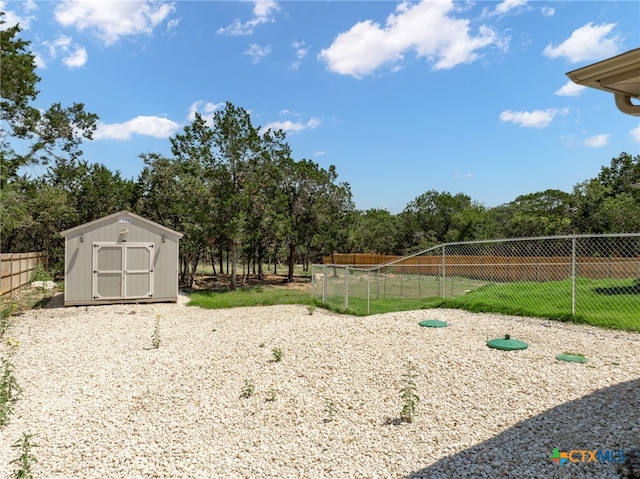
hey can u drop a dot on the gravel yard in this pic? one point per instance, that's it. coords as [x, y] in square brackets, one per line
[102, 403]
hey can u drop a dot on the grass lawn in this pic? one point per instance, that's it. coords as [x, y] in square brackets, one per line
[606, 303]
[249, 296]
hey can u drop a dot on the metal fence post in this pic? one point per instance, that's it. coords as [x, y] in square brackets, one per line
[346, 287]
[443, 271]
[313, 281]
[324, 283]
[368, 290]
[573, 275]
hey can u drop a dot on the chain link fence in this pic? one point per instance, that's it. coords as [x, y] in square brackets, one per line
[585, 278]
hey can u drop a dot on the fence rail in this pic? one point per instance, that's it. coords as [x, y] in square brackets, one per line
[594, 278]
[16, 270]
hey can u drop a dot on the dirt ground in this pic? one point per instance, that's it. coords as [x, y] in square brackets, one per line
[222, 282]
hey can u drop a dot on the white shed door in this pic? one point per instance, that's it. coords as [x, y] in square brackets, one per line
[122, 271]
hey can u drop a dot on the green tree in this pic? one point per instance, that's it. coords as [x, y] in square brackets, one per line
[262, 188]
[609, 203]
[336, 213]
[238, 144]
[545, 213]
[376, 231]
[30, 135]
[175, 194]
[623, 172]
[435, 217]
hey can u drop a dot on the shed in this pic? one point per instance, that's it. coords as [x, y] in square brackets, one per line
[120, 258]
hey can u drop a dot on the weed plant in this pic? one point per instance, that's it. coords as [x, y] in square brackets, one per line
[330, 410]
[9, 390]
[26, 460]
[7, 308]
[155, 336]
[271, 395]
[248, 389]
[409, 394]
[40, 273]
[277, 355]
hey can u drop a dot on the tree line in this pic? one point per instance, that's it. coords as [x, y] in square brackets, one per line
[241, 199]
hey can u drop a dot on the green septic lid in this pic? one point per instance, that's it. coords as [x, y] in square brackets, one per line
[506, 343]
[571, 358]
[433, 323]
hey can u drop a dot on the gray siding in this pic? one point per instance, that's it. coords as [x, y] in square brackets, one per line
[79, 259]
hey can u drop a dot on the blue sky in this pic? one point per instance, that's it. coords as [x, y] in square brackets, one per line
[403, 97]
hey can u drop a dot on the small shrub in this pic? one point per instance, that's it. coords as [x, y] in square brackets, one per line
[409, 394]
[26, 459]
[248, 389]
[155, 336]
[12, 344]
[40, 273]
[7, 308]
[277, 354]
[330, 410]
[311, 309]
[271, 395]
[9, 390]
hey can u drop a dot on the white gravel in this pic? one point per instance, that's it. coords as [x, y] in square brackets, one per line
[103, 404]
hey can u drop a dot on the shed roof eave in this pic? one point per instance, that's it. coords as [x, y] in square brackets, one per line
[73, 230]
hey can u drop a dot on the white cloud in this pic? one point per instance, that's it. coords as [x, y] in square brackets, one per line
[635, 134]
[30, 5]
[459, 175]
[73, 55]
[257, 52]
[155, 126]
[508, 5]
[587, 43]
[301, 49]
[262, 13]
[424, 28]
[76, 58]
[548, 11]
[111, 20]
[206, 109]
[13, 18]
[292, 126]
[570, 89]
[532, 119]
[173, 24]
[62, 42]
[597, 141]
[301, 52]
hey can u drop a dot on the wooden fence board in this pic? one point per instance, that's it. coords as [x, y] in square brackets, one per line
[499, 268]
[15, 270]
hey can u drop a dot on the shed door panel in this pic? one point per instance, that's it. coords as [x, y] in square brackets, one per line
[122, 271]
[138, 271]
[107, 271]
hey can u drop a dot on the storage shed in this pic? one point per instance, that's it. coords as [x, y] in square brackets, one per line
[121, 258]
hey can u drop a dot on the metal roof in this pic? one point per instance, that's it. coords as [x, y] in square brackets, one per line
[117, 215]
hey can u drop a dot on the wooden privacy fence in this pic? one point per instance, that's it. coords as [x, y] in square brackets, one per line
[496, 268]
[16, 269]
